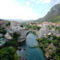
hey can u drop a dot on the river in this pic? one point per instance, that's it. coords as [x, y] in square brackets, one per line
[28, 51]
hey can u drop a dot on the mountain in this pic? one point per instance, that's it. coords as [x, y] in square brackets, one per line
[53, 15]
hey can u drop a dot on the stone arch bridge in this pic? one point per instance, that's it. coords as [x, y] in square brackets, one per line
[24, 33]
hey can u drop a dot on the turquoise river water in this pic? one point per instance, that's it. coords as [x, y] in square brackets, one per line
[30, 52]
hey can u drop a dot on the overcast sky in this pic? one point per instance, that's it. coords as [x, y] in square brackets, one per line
[25, 9]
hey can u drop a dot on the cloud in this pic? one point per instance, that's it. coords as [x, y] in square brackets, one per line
[38, 2]
[10, 9]
[32, 0]
[46, 1]
[27, 3]
[57, 1]
[43, 1]
[32, 5]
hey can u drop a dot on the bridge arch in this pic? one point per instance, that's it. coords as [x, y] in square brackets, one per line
[31, 32]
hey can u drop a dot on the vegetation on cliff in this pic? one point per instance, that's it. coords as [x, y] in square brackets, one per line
[51, 47]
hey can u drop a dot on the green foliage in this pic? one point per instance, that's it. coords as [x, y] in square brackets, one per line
[34, 27]
[44, 42]
[3, 31]
[54, 19]
[57, 28]
[58, 51]
[55, 54]
[28, 27]
[58, 38]
[55, 42]
[11, 43]
[21, 25]
[15, 56]
[7, 53]
[8, 24]
[15, 35]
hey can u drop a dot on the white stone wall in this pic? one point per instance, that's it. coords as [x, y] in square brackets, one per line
[15, 26]
[43, 31]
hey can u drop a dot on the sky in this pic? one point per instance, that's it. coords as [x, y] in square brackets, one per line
[25, 9]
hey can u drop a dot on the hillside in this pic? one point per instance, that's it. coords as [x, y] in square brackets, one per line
[53, 15]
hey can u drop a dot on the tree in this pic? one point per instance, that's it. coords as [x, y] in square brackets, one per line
[15, 35]
[7, 53]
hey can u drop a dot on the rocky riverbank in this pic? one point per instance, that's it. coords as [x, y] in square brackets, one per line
[51, 48]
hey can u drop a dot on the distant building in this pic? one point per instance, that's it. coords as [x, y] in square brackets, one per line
[49, 23]
[58, 25]
[39, 25]
[3, 23]
[7, 36]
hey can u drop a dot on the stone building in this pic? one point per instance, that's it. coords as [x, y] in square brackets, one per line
[15, 26]
[43, 31]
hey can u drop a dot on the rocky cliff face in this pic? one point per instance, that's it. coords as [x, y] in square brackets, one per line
[53, 15]
[55, 11]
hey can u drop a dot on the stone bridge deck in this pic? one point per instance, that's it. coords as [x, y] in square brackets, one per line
[24, 34]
